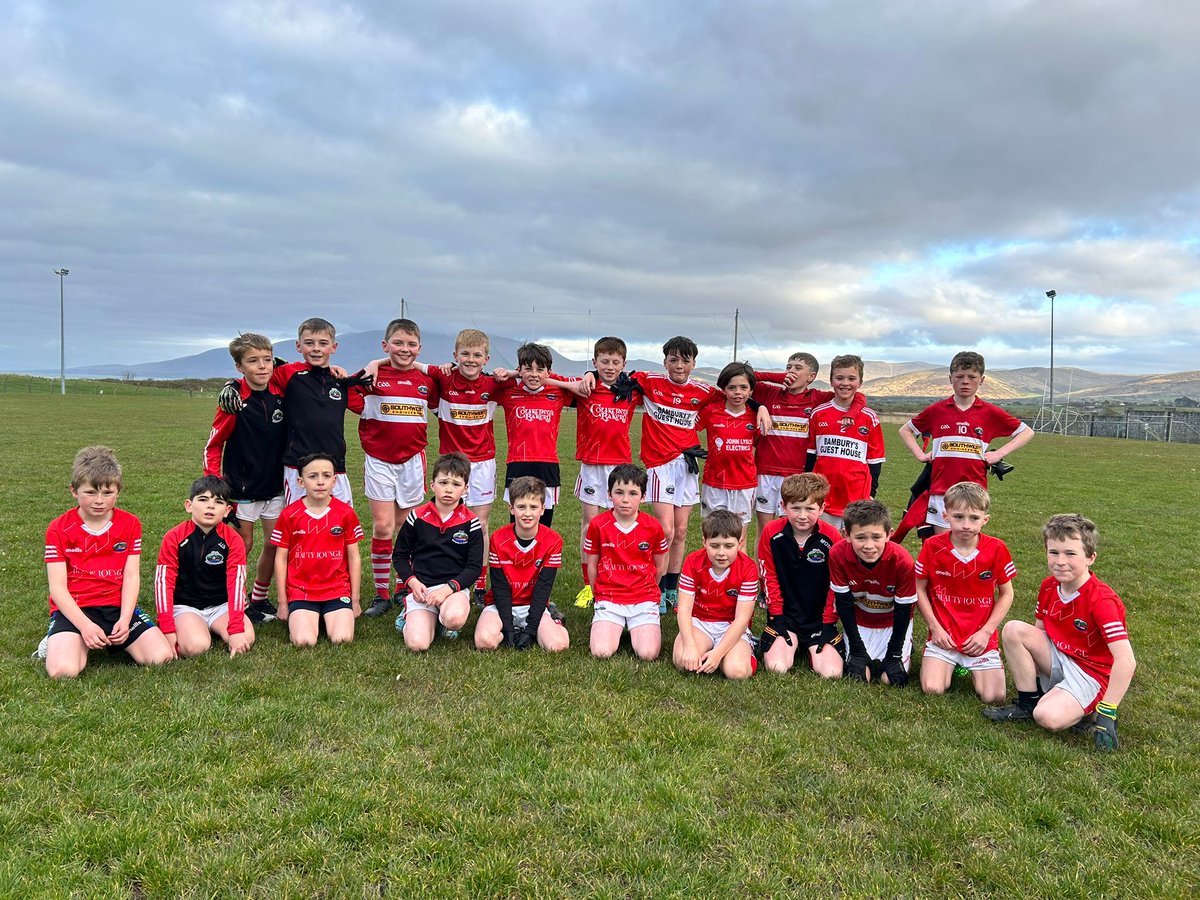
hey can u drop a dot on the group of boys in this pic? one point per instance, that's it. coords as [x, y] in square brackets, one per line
[807, 462]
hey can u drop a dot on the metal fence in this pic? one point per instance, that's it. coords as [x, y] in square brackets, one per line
[1179, 426]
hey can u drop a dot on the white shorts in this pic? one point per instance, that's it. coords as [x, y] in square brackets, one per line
[403, 483]
[937, 511]
[410, 604]
[209, 615]
[253, 510]
[766, 498]
[988, 660]
[481, 488]
[736, 501]
[549, 498]
[1066, 675]
[292, 491]
[672, 483]
[717, 630]
[835, 521]
[520, 615]
[627, 615]
[876, 641]
[592, 485]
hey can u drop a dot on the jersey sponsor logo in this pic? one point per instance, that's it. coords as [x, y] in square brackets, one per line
[337, 529]
[529, 414]
[468, 415]
[968, 447]
[214, 558]
[335, 394]
[402, 409]
[317, 554]
[985, 575]
[120, 547]
[1080, 625]
[644, 546]
[277, 416]
[611, 413]
[784, 427]
[459, 537]
[719, 442]
[815, 555]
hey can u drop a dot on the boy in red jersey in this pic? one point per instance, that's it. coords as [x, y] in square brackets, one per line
[393, 430]
[318, 573]
[874, 592]
[964, 591]
[626, 553]
[782, 450]
[847, 442]
[438, 557]
[523, 561]
[793, 555]
[246, 450]
[200, 579]
[961, 427]
[1076, 658]
[92, 556]
[731, 430]
[717, 590]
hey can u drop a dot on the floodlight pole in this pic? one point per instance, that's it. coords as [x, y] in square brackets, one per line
[62, 332]
[1052, 295]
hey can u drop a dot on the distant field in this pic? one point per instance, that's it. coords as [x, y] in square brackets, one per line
[369, 771]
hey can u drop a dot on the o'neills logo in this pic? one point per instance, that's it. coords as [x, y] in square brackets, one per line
[468, 415]
[529, 414]
[401, 409]
[611, 414]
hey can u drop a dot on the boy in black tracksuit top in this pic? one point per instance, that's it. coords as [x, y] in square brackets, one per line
[438, 557]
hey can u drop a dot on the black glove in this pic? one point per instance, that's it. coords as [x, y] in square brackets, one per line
[893, 668]
[231, 518]
[777, 627]
[1000, 468]
[1104, 729]
[230, 399]
[858, 666]
[829, 635]
[692, 456]
[524, 639]
[623, 388]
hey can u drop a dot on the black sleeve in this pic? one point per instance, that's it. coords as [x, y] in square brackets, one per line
[844, 602]
[752, 404]
[402, 552]
[502, 595]
[875, 469]
[468, 576]
[541, 596]
[901, 617]
[810, 462]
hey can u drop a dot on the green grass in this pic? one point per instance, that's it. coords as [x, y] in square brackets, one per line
[369, 771]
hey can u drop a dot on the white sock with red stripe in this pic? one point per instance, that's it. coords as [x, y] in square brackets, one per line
[258, 593]
[381, 565]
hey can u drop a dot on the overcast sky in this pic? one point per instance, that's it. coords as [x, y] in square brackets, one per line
[901, 180]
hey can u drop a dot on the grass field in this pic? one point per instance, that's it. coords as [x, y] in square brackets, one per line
[367, 771]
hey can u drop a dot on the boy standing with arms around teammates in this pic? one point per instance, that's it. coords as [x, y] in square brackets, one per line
[246, 449]
[1076, 658]
[847, 442]
[793, 555]
[393, 429]
[962, 427]
[717, 590]
[438, 557]
[523, 561]
[626, 553]
[874, 593]
[964, 591]
[318, 572]
[92, 557]
[200, 579]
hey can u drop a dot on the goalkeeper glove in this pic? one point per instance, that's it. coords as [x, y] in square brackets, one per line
[692, 456]
[893, 668]
[523, 639]
[1000, 468]
[1104, 731]
[858, 666]
[230, 399]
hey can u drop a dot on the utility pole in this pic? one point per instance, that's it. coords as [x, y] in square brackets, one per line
[736, 315]
[62, 332]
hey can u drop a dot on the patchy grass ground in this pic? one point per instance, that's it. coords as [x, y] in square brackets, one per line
[367, 771]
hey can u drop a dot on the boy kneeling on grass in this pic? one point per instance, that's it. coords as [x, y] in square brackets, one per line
[200, 579]
[718, 587]
[523, 561]
[1076, 658]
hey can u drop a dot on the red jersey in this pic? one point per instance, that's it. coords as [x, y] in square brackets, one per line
[465, 412]
[730, 463]
[200, 570]
[625, 572]
[846, 443]
[718, 596]
[1083, 625]
[962, 590]
[877, 589]
[95, 562]
[522, 565]
[602, 427]
[316, 549]
[393, 424]
[672, 412]
[531, 420]
[960, 438]
[782, 451]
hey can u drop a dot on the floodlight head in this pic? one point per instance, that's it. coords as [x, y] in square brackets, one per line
[1051, 294]
[62, 271]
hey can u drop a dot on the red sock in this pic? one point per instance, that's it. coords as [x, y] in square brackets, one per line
[381, 565]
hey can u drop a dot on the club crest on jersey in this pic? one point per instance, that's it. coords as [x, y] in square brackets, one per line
[891, 589]
[731, 593]
[815, 555]
[644, 546]
[484, 395]
[695, 401]
[1080, 625]
[863, 430]
[978, 431]
[277, 416]
[335, 394]
[214, 558]
[552, 396]
[120, 547]
[985, 576]
[337, 529]
[749, 426]
[422, 389]
[459, 537]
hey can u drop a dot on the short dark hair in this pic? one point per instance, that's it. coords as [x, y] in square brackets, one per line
[681, 346]
[408, 326]
[454, 464]
[527, 486]
[733, 370]
[808, 359]
[866, 512]
[532, 354]
[967, 360]
[312, 458]
[610, 345]
[627, 473]
[721, 523]
[210, 484]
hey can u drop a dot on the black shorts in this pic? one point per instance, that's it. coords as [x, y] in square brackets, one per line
[548, 472]
[321, 607]
[106, 617]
